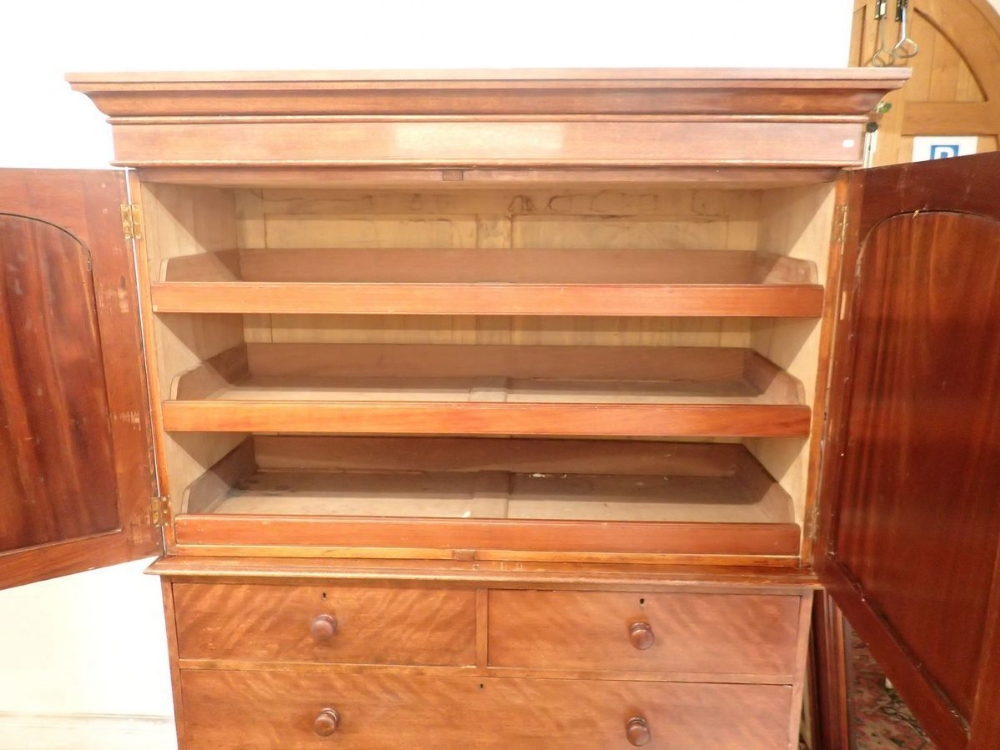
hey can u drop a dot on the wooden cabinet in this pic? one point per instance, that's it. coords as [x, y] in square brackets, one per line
[490, 409]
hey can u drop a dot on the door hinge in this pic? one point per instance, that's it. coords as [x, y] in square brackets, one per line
[130, 221]
[840, 226]
[160, 511]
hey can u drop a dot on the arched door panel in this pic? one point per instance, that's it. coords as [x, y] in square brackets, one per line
[76, 475]
[910, 538]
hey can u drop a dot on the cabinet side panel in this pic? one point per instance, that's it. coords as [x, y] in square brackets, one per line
[186, 221]
[797, 223]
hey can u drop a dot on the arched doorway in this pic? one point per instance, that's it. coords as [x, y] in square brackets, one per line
[955, 89]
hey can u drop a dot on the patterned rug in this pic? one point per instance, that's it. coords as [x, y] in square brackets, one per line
[881, 719]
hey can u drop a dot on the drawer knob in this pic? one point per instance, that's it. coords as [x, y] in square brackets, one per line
[326, 722]
[640, 635]
[324, 628]
[637, 731]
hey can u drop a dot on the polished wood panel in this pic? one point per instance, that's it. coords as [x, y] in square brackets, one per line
[968, 185]
[831, 718]
[417, 626]
[726, 177]
[227, 709]
[378, 537]
[419, 144]
[549, 420]
[734, 579]
[912, 463]
[651, 118]
[170, 622]
[56, 465]
[598, 91]
[692, 633]
[76, 444]
[931, 371]
[487, 299]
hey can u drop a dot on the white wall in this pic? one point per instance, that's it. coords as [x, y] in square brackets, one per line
[94, 643]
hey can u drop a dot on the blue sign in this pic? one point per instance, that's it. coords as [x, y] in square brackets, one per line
[944, 150]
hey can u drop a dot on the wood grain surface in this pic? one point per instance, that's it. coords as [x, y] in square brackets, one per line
[444, 298]
[76, 474]
[926, 430]
[417, 626]
[591, 91]
[57, 471]
[912, 534]
[420, 537]
[694, 633]
[258, 710]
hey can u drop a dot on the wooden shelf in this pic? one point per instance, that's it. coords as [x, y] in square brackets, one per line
[477, 281]
[673, 486]
[489, 390]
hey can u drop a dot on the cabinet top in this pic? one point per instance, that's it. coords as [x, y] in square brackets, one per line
[489, 125]
[624, 91]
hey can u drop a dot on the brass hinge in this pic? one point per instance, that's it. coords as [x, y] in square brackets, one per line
[160, 511]
[840, 227]
[130, 221]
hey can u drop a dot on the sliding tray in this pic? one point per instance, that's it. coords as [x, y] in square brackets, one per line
[470, 493]
[489, 390]
[475, 281]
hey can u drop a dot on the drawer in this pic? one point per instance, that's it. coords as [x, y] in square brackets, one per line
[325, 624]
[696, 634]
[251, 709]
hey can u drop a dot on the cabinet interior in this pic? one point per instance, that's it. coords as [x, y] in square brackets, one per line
[661, 345]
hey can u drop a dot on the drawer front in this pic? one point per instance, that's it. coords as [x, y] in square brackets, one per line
[247, 710]
[695, 634]
[325, 624]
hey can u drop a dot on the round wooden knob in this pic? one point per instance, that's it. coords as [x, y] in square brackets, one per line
[324, 628]
[640, 634]
[326, 722]
[637, 731]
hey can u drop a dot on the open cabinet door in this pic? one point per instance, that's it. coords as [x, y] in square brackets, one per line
[76, 474]
[908, 543]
